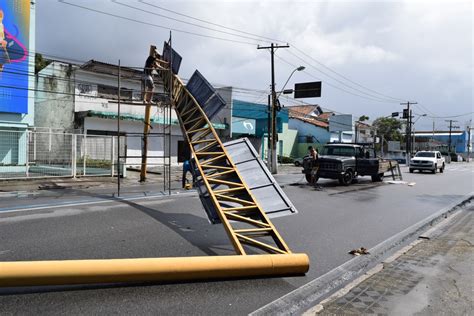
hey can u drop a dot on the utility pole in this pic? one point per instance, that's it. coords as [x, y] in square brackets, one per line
[274, 135]
[118, 131]
[433, 137]
[469, 141]
[408, 130]
[450, 131]
[356, 138]
[269, 129]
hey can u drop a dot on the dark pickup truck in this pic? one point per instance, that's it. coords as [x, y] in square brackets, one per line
[345, 162]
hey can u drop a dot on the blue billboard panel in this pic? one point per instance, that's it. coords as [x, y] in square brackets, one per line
[169, 54]
[14, 55]
[205, 94]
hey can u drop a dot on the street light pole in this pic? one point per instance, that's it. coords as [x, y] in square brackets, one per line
[408, 131]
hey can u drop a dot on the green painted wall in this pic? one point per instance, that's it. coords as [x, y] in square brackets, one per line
[288, 138]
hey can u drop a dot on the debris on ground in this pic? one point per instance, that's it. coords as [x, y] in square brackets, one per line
[411, 184]
[359, 251]
[397, 182]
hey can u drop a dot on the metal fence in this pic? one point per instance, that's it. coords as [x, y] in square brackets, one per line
[40, 154]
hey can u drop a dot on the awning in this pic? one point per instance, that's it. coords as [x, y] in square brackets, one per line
[141, 118]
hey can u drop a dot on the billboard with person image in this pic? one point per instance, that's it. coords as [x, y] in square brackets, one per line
[16, 66]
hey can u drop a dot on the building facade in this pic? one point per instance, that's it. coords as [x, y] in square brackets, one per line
[251, 120]
[84, 100]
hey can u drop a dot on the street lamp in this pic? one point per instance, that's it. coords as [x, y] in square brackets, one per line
[300, 68]
[272, 152]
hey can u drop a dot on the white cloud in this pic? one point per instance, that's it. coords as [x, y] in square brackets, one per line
[401, 48]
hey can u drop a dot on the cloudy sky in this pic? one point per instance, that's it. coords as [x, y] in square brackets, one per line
[370, 55]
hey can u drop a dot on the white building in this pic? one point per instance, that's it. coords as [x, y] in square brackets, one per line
[84, 100]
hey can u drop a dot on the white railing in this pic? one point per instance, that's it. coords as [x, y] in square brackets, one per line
[43, 153]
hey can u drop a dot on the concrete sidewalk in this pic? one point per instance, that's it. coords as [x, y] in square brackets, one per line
[434, 277]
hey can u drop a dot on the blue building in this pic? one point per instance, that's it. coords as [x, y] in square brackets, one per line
[251, 120]
[440, 140]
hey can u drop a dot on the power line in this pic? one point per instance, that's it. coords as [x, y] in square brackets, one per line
[211, 23]
[152, 24]
[146, 23]
[330, 84]
[342, 76]
[393, 99]
[185, 22]
[343, 83]
[296, 48]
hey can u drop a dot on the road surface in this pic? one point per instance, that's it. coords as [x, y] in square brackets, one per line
[89, 224]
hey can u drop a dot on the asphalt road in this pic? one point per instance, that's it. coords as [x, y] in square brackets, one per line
[332, 220]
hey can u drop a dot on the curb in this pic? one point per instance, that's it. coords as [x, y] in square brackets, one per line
[308, 295]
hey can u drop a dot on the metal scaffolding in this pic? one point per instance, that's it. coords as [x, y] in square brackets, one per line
[164, 132]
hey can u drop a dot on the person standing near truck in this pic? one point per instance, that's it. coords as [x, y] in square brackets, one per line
[313, 154]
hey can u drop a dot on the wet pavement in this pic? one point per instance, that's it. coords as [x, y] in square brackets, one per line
[434, 277]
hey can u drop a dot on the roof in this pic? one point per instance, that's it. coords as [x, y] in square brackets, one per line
[325, 115]
[110, 69]
[310, 114]
[304, 109]
[312, 121]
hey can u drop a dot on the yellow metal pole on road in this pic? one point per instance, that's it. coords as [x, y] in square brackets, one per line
[64, 272]
[146, 131]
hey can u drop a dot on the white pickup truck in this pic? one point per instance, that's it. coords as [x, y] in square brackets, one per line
[427, 160]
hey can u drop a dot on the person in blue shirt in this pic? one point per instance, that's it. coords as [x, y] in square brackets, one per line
[186, 169]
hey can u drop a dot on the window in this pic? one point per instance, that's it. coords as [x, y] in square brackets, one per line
[110, 92]
[338, 151]
[424, 154]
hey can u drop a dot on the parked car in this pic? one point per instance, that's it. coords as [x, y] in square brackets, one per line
[427, 160]
[298, 161]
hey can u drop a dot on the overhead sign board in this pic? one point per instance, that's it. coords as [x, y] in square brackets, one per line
[308, 90]
[15, 68]
[340, 123]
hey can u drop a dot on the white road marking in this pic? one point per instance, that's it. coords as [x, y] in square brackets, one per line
[51, 206]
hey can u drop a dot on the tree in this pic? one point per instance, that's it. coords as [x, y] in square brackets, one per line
[389, 127]
[363, 118]
[40, 62]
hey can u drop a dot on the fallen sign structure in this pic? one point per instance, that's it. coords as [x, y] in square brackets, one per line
[261, 251]
[258, 178]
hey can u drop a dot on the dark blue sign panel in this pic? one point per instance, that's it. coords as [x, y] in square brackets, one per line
[14, 61]
[167, 56]
[205, 94]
